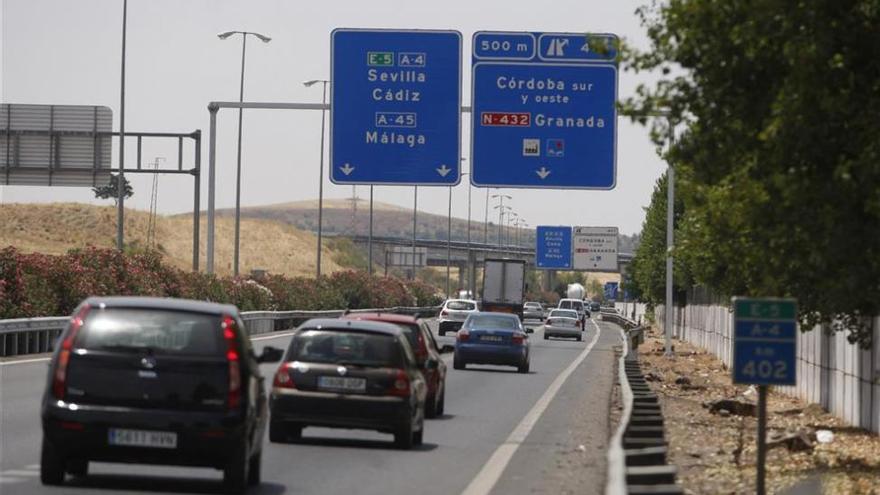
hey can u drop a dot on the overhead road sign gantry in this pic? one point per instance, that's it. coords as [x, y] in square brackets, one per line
[544, 110]
[395, 116]
[553, 248]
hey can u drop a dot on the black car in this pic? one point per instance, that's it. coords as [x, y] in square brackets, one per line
[155, 381]
[349, 374]
[595, 307]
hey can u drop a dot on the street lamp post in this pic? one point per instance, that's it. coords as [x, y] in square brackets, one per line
[486, 220]
[264, 39]
[500, 207]
[415, 217]
[308, 84]
[448, 243]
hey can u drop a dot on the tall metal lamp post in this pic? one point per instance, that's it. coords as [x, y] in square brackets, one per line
[264, 39]
[324, 84]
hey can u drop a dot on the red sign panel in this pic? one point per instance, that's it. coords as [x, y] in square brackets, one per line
[513, 119]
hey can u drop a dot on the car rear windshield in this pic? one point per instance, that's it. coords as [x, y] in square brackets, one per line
[357, 348]
[533, 305]
[571, 305]
[153, 330]
[565, 313]
[461, 305]
[493, 321]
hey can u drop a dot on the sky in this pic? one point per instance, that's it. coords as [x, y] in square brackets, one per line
[69, 52]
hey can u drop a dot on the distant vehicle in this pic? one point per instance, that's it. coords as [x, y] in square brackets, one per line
[575, 291]
[492, 338]
[465, 294]
[577, 305]
[533, 310]
[503, 286]
[564, 323]
[155, 381]
[595, 306]
[427, 354]
[349, 374]
[453, 313]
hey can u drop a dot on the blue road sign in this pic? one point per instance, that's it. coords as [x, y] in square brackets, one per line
[544, 110]
[611, 290]
[395, 115]
[553, 248]
[764, 341]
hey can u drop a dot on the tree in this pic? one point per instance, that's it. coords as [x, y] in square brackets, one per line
[779, 158]
[111, 190]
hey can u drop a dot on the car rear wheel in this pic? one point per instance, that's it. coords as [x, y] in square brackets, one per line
[580, 338]
[457, 363]
[51, 465]
[284, 432]
[78, 467]
[441, 331]
[404, 436]
[523, 368]
[431, 407]
[546, 337]
[236, 472]
[418, 437]
[254, 469]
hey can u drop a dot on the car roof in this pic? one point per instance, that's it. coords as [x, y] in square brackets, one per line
[571, 300]
[461, 300]
[357, 325]
[492, 313]
[166, 303]
[386, 317]
[555, 310]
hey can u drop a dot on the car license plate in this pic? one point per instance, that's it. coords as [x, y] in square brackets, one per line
[491, 338]
[142, 438]
[342, 383]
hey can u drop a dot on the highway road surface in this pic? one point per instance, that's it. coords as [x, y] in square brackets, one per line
[503, 433]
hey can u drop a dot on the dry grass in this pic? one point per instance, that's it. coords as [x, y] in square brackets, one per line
[716, 454]
[58, 227]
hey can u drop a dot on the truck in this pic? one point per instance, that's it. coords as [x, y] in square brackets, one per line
[504, 284]
[575, 291]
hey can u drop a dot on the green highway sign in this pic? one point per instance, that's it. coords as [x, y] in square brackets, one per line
[380, 58]
[765, 309]
[764, 341]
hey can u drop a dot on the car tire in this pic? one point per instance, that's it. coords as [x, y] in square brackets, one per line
[256, 463]
[523, 368]
[78, 468]
[546, 337]
[458, 363]
[418, 437]
[403, 437]
[580, 338]
[431, 407]
[235, 473]
[441, 404]
[441, 331]
[51, 465]
[277, 432]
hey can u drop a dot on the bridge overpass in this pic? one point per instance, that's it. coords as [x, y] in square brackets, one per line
[465, 257]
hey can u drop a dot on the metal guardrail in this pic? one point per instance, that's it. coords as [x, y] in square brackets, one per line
[637, 455]
[37, 335]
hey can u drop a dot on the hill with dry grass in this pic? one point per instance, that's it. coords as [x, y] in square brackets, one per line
[266, 244]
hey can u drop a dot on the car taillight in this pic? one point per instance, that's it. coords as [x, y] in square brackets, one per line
[422, 351]
[518, 339]
[400, 387]
[232, 357]
[443, 313]
[463, 335]
[283, 378]
[59, 381]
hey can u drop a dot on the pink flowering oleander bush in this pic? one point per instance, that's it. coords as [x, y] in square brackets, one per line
[36, 284]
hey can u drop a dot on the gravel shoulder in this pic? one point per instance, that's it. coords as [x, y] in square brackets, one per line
[715, 451]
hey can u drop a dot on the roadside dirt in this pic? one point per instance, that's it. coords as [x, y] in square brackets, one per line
[715, 451]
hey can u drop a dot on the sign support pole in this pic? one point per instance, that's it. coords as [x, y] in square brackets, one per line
[370, 241]
[762, 438]
[670, 242]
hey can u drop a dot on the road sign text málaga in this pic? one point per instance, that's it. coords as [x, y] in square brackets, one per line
[396, 101]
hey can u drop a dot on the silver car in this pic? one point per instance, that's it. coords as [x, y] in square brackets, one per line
[533, 311]
[453, 313]
[564, 323]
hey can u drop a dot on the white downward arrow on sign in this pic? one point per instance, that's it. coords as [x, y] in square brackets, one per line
[542, 173]
[443, 170]
[346, 169]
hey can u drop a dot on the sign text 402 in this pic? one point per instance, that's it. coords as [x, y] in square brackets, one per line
[765, 369]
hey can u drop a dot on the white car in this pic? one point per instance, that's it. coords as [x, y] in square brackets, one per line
[576, 305]
[564, 323]
[454, 312]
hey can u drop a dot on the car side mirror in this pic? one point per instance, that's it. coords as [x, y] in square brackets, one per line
[270, 355]
[431, 364]
[446, 349]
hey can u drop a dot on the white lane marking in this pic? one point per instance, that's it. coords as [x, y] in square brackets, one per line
[19, 472]
[24, 361]
[486, 479]
[276, 335]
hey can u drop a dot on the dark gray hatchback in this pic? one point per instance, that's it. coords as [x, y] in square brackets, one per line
[155, 381]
